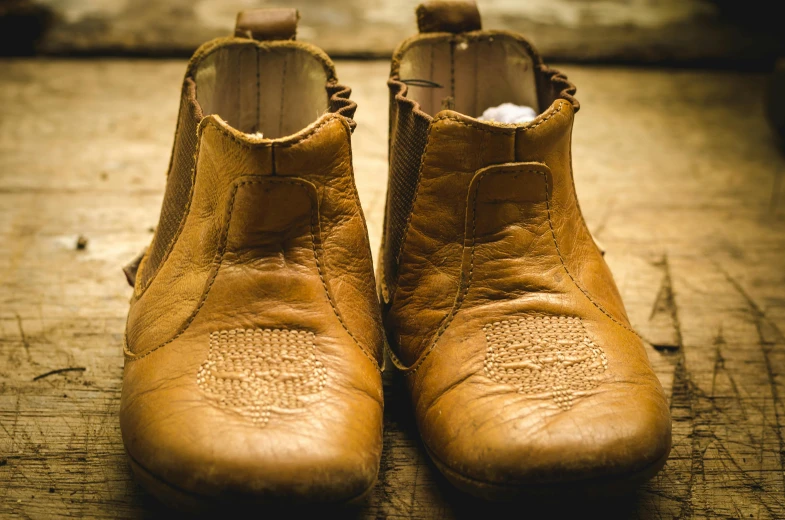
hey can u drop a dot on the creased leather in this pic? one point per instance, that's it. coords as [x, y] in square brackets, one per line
[274, 245]
[174, 432]
[511, 267]
[498, 285]
[429, 268]
[347, 255]
[178, 286]
[549, 142]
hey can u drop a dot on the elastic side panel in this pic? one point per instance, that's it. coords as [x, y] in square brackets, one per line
[409, 135]
[338, 98]
[178, 184]
[553, 85]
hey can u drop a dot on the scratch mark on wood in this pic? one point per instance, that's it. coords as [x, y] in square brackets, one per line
[719, 361]
[59, 371]
[23, 336]
[761, 320]
[682, 396]
[766, 347]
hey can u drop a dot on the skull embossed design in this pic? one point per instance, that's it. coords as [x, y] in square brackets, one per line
[253, 372]
[546, 356]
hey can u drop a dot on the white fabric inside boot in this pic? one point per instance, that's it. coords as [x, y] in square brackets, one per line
[470, 75]
[269, 91]
[508, 113]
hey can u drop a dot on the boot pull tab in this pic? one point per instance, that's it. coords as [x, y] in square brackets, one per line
[448, 16]
[267, 24]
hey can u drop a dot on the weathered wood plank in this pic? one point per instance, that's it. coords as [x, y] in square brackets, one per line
[737, 433]
[628, 30]
[676, 172]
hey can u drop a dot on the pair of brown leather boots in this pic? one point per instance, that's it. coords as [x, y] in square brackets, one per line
[255, 338]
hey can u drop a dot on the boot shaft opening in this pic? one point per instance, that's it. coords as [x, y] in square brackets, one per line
[473, 72]
[266, 89]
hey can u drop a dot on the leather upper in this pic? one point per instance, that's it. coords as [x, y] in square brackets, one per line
[501, 312]
[253, 352]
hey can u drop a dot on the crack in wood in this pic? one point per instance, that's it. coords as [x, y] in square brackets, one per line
[682, 398]
[665, 306]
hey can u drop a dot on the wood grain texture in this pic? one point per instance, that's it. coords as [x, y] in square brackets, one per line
[678, 177]
[628, 30]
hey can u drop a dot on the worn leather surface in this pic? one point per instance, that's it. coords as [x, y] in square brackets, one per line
[505, 320]
[267, 24]
[252, 366]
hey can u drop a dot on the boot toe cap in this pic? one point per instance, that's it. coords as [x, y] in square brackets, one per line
[220, 458]
[620, 432]
[325, 450]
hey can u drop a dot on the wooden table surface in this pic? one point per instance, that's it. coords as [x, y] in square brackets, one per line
[679, 178]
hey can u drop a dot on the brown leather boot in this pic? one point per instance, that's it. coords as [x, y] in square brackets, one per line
[500, 311]
[254, 336]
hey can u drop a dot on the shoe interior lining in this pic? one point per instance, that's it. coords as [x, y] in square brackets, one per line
[274, 91]
[472, 74]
